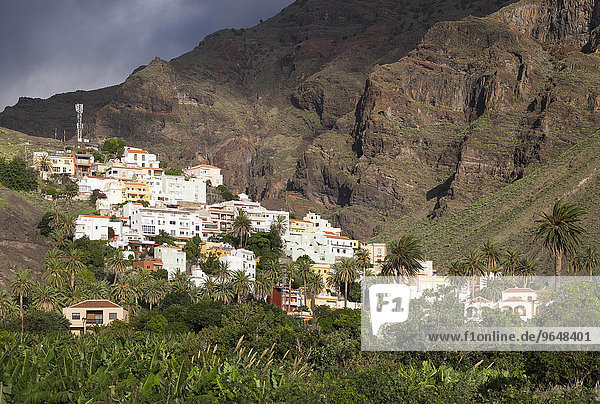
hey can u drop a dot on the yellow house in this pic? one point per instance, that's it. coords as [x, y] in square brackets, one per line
[324, 270]
[377, 253]
[135, 191]
[91, 313]
[62, 165]
[301, 226]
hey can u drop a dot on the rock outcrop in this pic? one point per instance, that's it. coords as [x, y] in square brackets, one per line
[478, 104]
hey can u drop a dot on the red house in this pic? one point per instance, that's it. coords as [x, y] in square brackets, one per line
[281, 297]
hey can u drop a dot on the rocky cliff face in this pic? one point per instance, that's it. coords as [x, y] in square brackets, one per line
[478, 104]
[261, 95]
[561, 25]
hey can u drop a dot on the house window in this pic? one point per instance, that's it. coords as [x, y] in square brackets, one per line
[112, 316]
[75, 316]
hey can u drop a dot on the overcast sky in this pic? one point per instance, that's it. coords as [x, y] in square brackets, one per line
[57, 46]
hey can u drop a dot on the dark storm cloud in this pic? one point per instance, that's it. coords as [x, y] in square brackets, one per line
[54, 46]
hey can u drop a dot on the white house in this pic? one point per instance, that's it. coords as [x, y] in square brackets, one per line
[140, 157]
[98, 227]
[172, 189]
[173, 259]
[181, 224]
[241, 259]
[322, 248]
[206, 172]
[320, 224]
[261, 218]
[95, 227]
[90, 183]
[522, 301]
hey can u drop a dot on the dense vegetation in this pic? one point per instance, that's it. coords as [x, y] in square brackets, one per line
[17, 175]
[254, 352]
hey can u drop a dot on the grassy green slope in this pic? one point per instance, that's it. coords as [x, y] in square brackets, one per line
[508, 216]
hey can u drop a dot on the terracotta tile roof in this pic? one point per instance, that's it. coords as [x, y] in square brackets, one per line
[339, 237]
[134, 150]
[299, 221]
[88, 304]
[519, 290]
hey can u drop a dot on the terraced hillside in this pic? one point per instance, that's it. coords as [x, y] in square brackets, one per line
[507, 216]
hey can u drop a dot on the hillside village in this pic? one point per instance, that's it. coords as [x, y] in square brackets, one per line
[137, 202]
[186, 222]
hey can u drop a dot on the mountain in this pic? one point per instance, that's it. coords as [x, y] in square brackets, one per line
[508, 216]
[252, 100]
[384, 115]
[480, 103]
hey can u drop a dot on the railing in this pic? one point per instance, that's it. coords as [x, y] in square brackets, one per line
[93, 321]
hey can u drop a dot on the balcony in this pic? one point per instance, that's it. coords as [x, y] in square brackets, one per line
[94, 321]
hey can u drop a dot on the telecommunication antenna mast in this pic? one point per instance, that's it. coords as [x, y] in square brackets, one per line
[79, 109]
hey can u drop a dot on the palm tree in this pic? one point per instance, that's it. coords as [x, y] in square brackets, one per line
[54, 253]
[591, 260]
[263, 285]
[66, 226]
[527, 269]
[44, 164]
[560, 231]
[56, 217]
[303, 267]
[455, 274]
[242, 227]
[98, 290]
[74, 295]
[156, 291]
[575, 263]
[208, 288]
[315, 285]
[474, 266]
[70, 190]
[5, 302]
[73, 263]
[492, 255]
[46, 298]
[55, 271]
[181, 283]
[21, 286]
[59, 239]
[240, 283]
[280, 225]
[403, 257]
[272, 268]
[117, 263]
[346, 272]
[122, 290]
[512, 258]
[289, 269]
[223, 272]
[223, 292]
[363, 260]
